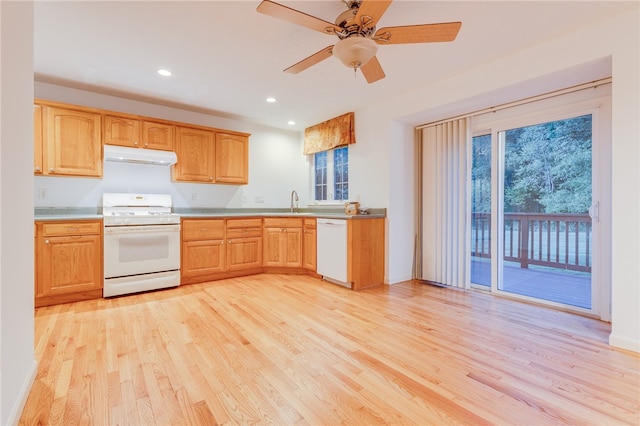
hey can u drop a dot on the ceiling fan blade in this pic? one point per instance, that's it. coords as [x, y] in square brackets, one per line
[296, 17]
[372, 71]
[370, 12]
[427, 33]
[310, 61]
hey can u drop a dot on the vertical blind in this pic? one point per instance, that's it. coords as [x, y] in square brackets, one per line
[445, 199]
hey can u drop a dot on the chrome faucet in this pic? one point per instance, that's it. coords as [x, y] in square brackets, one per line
[294, 194]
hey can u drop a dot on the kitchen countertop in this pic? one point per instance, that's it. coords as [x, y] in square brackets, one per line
[51, 214]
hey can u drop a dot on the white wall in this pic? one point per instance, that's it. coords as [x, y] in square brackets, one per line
[17, 363]
[575, 58]
[276, 163]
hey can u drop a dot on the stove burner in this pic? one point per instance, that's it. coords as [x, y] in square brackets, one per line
[121, 209]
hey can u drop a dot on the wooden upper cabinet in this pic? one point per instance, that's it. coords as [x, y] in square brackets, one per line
[195, 150]
[68, 140]
[130, 131]
[232, 158]
[157, 135]
[38, 164]
[121, 130]
[71, 142]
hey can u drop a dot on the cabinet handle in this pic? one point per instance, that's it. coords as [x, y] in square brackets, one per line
[51, 170]
[37, 169]
[146, 144]
[204, 229]
[210, 179]
[136, 143]
[73, 228]
[46, 241]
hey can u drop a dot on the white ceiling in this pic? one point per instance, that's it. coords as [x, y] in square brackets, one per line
[226, 58]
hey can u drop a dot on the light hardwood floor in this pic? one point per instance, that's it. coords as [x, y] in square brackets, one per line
[278, 349]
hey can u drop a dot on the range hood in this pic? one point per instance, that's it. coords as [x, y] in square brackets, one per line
[139, 155]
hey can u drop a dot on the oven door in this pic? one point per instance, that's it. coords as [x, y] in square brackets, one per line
[141, 249]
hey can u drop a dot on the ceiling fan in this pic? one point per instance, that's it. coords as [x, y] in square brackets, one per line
[358, 38]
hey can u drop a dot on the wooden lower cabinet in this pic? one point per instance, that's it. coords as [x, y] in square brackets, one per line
[68, 262]
[309, 240]
[202, 257]
[220, 248]
[365, 252]
[203, 248]
[244, 244]
[283, 242]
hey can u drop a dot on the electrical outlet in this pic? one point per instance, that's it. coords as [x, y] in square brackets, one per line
[194, 196]
[259, 199]
[42, 193]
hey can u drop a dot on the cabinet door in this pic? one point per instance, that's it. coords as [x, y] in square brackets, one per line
[244, 253]
[309, 249]
[122, 131]
[72, 143]
[37, 140]
[292, 244]
[273, 251]
[158, 135]
[70, 264]
[202, 257]
[232, 158]
[195, 151]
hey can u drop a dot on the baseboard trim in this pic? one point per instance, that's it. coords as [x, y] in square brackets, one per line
[624, 343]
[16, 410]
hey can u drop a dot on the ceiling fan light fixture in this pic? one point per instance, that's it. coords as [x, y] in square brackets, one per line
[355, 51]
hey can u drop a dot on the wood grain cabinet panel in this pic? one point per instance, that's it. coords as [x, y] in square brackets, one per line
[72, 143]
[365, 252]
[202, 257]
[309, 249]
[283, 242]
[244, 244]
[69, 262]
[121, 131]
[232, 158]
[157, 135]
[203, 247]
[38, 164]
[195, 150]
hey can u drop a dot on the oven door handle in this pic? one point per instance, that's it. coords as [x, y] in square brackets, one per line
[141, 229]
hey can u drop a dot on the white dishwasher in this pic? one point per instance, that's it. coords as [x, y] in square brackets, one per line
[332, 250]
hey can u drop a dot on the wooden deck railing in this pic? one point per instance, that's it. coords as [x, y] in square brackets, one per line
[555, 240]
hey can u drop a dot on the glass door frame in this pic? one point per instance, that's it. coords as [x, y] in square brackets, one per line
[600, 109]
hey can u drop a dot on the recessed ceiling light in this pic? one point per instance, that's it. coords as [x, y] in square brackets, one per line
[291, 123]
[270, 100]
[164, 73]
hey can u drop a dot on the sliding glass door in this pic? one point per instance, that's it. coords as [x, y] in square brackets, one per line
[546, 195]
[536, 216]
[481, 210]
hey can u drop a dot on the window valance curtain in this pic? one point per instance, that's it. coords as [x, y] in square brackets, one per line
[330, 134]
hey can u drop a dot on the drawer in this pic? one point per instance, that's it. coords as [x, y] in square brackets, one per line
[243, 232]
[202, 229]
[244, 223]
[282, 222]
[71, 228]
[310, 222]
